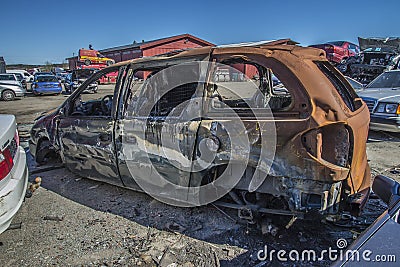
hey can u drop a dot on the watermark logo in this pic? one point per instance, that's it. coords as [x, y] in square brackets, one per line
[172, 139]
[341, 243]
[332, 254]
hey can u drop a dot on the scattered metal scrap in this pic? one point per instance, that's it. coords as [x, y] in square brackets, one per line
[55, 218]
[268, 228]
[15, 226]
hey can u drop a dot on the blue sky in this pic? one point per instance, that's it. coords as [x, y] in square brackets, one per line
[34, 32]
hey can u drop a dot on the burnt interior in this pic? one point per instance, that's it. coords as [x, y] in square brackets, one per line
[172, 99]
[274, 93]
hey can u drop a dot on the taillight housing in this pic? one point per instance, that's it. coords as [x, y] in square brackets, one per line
[330, 144]
[7, 156]
[6, 163]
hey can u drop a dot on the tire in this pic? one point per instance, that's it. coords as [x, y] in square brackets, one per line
[87, 62]
[8, 95]
[45, 153]
[109, 62]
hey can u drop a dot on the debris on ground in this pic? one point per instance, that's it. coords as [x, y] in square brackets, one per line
[33, 187]
[268, 228]
[174, 227]
[15, 226]
[395, 170]
[53, 218]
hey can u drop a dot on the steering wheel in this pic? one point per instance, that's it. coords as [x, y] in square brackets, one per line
[106, 104]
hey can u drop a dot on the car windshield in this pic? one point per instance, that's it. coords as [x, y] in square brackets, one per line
[337, 43]
[41, 79]
[386, 80]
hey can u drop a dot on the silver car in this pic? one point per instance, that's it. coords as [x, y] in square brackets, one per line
[10, 87]
[13, 171]
[382, 97]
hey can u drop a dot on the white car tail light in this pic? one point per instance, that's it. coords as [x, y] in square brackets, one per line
[7, 156]
[6, 163]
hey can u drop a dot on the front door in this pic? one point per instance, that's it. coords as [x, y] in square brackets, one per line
[157, 129]
[90, 120]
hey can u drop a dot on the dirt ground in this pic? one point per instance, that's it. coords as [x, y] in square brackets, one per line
[73, 221]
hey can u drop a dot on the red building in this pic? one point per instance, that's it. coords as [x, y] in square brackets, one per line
[146, 49]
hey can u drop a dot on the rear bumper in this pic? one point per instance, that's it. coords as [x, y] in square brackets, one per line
[55, 90]
[13, 194]
[388, 124]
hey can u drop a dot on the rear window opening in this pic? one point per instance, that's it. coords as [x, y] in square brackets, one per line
[245, 85]
[345, 91]
[164, 90]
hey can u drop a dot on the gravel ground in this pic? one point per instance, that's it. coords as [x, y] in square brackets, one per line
[72, 221]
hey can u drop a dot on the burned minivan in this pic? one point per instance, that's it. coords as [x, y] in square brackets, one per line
[261, 129]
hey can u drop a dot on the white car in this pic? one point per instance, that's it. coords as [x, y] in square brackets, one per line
[10, 87]
[13, 171]
[27, 76]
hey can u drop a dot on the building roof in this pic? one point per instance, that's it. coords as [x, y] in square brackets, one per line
[148, 44]
[151, 43]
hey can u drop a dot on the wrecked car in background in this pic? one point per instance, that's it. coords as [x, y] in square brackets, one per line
[74, 79]
[90, 56]
[377, 55]
[13, 171]
[338, 51]
[296, 147]
[383, 100]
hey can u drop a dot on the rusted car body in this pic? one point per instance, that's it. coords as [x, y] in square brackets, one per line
[316, 161]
